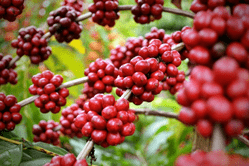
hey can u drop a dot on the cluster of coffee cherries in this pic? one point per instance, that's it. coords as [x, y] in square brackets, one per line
[46, 132]
[171, 39]
[148, 10]
[105, 120]
[9, 112]
[89, 91]
[10, 9]
[203, 5]
[101, 76]
[67, 160]
[63, 25]
[67, 121]
[122, 55]
[199, 158]
[105, 12]
[6, 74]
[154, 33]
[176, 38]
[31, 43]
[142, 76]
[170, 60]
[76, 4]
[45, 85]
[217, 95]
[218, 33]
[81, 100]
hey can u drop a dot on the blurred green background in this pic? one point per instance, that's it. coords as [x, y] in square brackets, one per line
[157, 141]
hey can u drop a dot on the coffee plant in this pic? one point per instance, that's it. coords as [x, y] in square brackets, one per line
[164, 82]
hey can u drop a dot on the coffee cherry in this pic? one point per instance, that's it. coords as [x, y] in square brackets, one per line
[37, 49]
[187, 116]
[99, 136]
[11, 9]
[45, 132]
[205, 128]
[104, 12]
[7, 74]
[45, 85]
[98, 122]
[68, 159]
[145, 12]
[69, 29]
[209, 158]
[70, 124]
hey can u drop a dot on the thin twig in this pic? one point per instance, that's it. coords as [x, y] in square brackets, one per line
[243, 139]
[246, 132]
[84, 16]
[126, 94]
[13, 61]
[86, 150]
[165, 9]
[125, 7]
[179, 12]
[33, 147]
[74, 82]
[178, 47]
[218, 139]
[47, 35]
[65, 85]
[147, 111]
[28, 100]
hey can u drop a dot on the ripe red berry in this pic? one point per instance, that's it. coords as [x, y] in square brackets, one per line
[99, 136]
[109, 112]
[219, 109]
[205, 128]
[187, 116]
[114, 125]
[98, 122]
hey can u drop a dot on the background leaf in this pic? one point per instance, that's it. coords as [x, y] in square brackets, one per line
[10, 154]
[51, 148]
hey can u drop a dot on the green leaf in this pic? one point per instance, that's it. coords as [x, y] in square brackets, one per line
[70, 60]
[157, 142]
[51, 148]
[33, 157]
[37, 162]
[243, 152]
[8, 134]
[10, 154]
[154, 127]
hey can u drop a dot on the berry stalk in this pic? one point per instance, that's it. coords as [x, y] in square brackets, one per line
[146, 112]
[65, 85]
[84, 16]
[243, 139]
[245, 132]
[125, 7]
[86, 150]
[13, 61]
[178, 12]
[165, 9]
[126, 94]
[218, 139]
